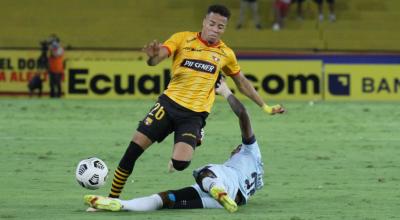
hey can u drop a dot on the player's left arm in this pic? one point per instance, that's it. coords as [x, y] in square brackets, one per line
[248, 90]
[232, 69]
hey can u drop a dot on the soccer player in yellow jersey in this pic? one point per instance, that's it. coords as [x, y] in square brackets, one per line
[198, 57]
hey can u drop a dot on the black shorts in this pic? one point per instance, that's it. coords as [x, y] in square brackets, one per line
[166, 116]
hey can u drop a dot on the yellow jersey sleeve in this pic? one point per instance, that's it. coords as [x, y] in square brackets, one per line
[232, 67]
[173, 43]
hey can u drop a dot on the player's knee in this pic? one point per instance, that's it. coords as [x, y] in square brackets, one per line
[180, 164]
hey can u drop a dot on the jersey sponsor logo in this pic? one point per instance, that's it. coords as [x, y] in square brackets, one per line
[192, 39]
[199, 65]
[192, 49]
[215, 57]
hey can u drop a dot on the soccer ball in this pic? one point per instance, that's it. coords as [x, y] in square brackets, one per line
[91, 173]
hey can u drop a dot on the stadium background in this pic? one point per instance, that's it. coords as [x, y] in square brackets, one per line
[324, 160]
[313, 60]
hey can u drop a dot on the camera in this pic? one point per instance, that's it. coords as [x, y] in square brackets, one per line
[43, 60]
[44, 46]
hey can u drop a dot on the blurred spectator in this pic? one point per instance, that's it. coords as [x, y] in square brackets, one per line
[299, 9]
[56, 66]
[331, 3]
[253, 5]
[281, 8]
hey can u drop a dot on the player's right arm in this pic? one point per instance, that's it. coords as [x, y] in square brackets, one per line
[232, 69]
[155, 53]
[237, 107]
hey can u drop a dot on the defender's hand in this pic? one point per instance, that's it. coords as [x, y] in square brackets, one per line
[222, 88]
[275, 109]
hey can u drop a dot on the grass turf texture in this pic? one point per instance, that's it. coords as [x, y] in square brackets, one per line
[322, 161]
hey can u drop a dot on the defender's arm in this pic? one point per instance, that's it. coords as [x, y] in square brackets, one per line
[238, 108]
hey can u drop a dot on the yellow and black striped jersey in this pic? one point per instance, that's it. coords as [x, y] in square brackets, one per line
[195, 68]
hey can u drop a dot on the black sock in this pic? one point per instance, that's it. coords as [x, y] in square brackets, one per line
[132, 153]
[124, 169]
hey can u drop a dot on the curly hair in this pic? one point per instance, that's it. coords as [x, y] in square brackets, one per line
[219, 9]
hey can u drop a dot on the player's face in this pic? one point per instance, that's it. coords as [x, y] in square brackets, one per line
[213, 27]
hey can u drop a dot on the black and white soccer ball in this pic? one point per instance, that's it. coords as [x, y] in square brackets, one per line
[91, 173]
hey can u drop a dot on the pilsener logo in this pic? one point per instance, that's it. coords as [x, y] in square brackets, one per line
[199, 65]
[339, 84]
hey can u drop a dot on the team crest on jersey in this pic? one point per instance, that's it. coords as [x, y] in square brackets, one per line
[199, 65]
[215, 58]
[148, 121]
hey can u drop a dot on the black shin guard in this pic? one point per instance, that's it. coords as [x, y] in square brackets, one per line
[180, 164]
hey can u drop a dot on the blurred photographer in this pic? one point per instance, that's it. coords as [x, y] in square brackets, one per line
[36, 82]
[55, 66]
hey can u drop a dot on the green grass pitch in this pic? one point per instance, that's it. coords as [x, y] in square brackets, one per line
[323, 161]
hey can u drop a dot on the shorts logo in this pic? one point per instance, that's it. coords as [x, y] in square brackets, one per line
[339, 84]
[190, 135]
[199, 65]
[148, 121]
